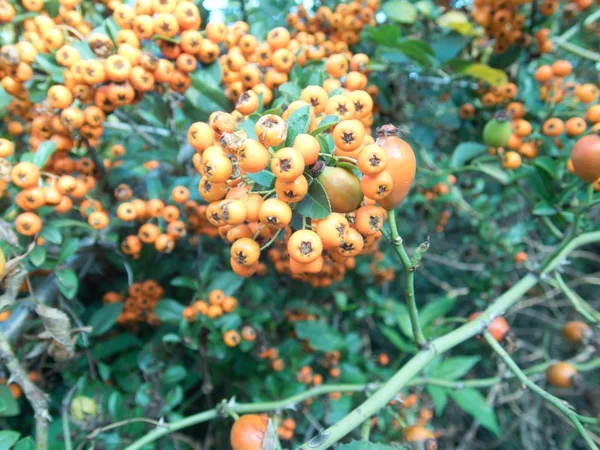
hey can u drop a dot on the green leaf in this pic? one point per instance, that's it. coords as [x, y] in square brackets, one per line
[110, 27]
[68, 282]
[495, 77]
[5, 99]
[502, 60]
[174, 374]
[449, 46]
[8, 438]
[264, 178]
[9, 407]
[397, 340]
[400, 11]
[154, 187]
[351, 168]
[51, 7]
[546, 164]
[169, 311]
[25, 444]
[455, 367]
[494, 171]
[316, 78]
[543, 208]
[439, 396]
[52, 234]
[320, 336]
[48, 65]
[205, 93]
[316, 202]
[325, 124]
[435, 309]
[105, 318]
[298, 123]
[324, 145]
[382, 34]
[540, 183]
[472, 402]
[183, 281]
[68, 249]
[365, 445]
[38, 256]
[417, 50]
[227, 281]
[84, 49]
[60, 223]
[43, 153]
[352, 374]
[290, 91]
[465, 152]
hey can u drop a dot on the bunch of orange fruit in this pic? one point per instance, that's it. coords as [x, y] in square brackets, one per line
[354, 171]
[217, 305]
[505, 21]
[138, 301]
[342, 24]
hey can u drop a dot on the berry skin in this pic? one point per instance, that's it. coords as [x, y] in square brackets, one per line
[561, 375]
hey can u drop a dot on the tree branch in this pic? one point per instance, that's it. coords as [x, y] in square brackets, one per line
[554, 401]
[36, 397]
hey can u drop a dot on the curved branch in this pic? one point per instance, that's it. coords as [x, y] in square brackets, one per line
[244, 408]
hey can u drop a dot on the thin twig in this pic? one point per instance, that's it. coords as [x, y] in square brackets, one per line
[555, 401]
[409, 280]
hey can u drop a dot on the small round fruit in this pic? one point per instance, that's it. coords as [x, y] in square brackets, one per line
[497, 131]
[248, 432]
[308, 147]
[576, 331]
[83, 408]
[417, 433]
[332, 230]
[271, 130]
[586, 158]
[28, 223]
[402, 165]
[245, 251]
[343, 189]
[561, 374]
[305, 246]
[499, 327]
[511, 160]
[372, 160]
[232, 338]
[287, 164]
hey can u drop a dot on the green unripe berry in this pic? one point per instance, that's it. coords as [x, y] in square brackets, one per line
[497, 131]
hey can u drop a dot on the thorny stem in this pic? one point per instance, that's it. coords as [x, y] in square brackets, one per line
[409, 279]
[578, 303]
[588, 200]
[562, 40]
[555, 401]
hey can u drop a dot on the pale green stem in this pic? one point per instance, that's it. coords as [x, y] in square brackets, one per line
[555, 401]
